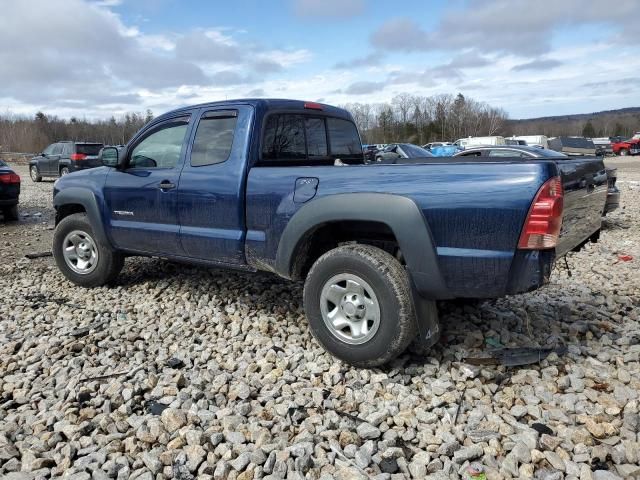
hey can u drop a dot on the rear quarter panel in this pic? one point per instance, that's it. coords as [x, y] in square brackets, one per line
[475, 211]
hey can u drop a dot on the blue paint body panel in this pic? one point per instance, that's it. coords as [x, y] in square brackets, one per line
[235, 213]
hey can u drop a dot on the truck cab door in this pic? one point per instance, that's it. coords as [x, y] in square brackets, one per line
[141, 196]
[211, 194]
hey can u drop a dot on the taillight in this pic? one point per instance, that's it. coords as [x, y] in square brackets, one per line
[542, 227]
[9, 178]
[78, 156]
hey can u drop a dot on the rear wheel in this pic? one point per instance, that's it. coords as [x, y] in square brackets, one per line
[64, 171]
[80, 257]
[358, 302]
[624, 152]
[10, 213]
[35, 173]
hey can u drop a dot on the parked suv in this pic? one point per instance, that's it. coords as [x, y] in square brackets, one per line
[61, 158]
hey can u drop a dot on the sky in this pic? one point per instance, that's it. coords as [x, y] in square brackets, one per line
[98, 58]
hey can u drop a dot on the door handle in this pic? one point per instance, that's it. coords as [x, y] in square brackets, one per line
[167, 185]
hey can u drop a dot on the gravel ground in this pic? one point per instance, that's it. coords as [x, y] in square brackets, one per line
[180, 372]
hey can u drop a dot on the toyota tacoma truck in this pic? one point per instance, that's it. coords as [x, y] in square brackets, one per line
[282, 186]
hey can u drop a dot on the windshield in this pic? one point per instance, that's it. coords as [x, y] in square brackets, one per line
[415, 152]
[2, 164]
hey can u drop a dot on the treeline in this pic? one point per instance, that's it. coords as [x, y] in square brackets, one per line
[624, 122]
[417, 119]
[406, 118]
[32, 134]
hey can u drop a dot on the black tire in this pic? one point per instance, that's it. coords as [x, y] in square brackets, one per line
[10, 213]
[64, 171]
[390, 283]
[624, 152]
[34, 173]
[109, 263]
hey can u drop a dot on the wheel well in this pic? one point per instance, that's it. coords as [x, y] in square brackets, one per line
[323, 238]
[69, 209]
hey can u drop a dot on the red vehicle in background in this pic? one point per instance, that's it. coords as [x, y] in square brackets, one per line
[627, 147]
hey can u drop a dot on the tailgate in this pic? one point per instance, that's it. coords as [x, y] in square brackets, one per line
[584, 180]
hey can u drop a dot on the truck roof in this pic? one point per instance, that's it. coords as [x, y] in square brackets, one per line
[266, 104]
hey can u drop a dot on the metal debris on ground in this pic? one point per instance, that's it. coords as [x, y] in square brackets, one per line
[513, 357]
[31, 256]
[542, 428]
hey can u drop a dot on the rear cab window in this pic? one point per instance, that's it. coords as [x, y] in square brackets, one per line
[296, 139]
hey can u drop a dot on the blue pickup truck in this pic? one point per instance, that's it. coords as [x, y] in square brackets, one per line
[282, 186]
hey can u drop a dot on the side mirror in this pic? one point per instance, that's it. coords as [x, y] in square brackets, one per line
[43, 154]
[110, 157]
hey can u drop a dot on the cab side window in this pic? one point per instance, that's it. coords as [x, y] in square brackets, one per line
[161, 148]
[214, 138]
[57, 149]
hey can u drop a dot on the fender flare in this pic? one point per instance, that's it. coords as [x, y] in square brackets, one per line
[86, 198]
[399, 213]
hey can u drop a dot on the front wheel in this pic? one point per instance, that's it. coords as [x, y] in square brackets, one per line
[80, 257]
[358, 302]
[624, 152]
[35, 173]
[64, 171]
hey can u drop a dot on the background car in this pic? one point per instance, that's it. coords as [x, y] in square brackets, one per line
[9, 192]
[61, 158]
[613, 193]
[370, 152]
[395, 151]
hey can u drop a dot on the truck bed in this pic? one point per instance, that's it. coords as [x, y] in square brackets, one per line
[475, 211]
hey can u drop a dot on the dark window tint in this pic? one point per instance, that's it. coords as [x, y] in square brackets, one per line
[345, 142]
[316, 137]
[89, 148]
[284, 138]
[214, 138]
[3, 164]
[57, 149]
[160, 149]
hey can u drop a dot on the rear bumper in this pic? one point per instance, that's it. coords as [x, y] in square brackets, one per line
[8, 202]
[530, 270]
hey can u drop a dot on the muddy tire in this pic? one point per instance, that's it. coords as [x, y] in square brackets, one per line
[80, 256]
[357, 299]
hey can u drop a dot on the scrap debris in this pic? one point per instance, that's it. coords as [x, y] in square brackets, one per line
[31, 256]
[513, 357]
